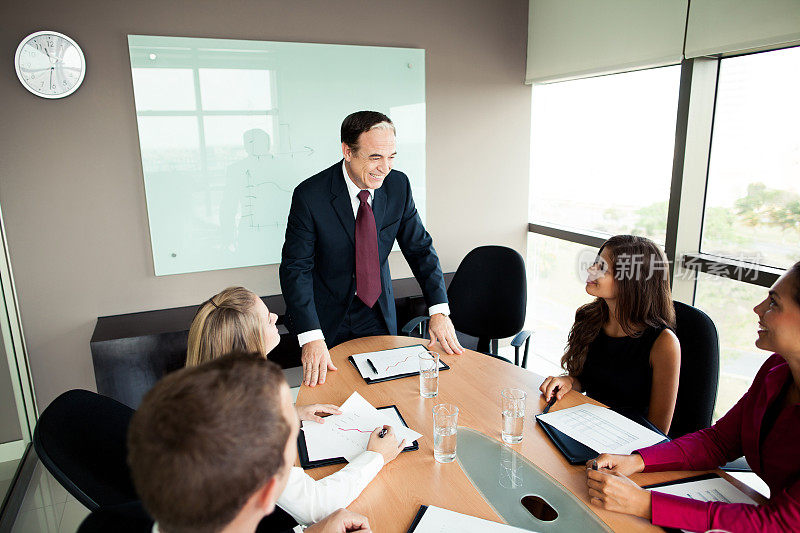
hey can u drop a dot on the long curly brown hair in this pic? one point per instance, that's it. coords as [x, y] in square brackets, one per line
[644, 298]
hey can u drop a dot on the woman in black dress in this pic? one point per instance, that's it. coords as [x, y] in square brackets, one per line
[621, 350]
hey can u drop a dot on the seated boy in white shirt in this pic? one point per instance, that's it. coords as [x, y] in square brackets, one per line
[211, 449]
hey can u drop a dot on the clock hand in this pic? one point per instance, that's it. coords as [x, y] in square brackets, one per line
[52, 58]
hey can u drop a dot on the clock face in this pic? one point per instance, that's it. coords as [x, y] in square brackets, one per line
[50, 64]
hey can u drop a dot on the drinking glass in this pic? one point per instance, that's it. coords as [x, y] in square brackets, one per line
[429, 374]
[513, 412]
[445, 426]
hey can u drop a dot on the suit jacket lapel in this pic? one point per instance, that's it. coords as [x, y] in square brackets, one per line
[341, 203]
[379, 207]
[773, 384]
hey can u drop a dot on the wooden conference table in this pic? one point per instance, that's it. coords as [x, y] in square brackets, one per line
[473, 383]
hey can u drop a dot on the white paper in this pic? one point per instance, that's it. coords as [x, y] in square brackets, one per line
[438, 520]
[708, 490]
[388, 363]
[346, 435]
[602, 429]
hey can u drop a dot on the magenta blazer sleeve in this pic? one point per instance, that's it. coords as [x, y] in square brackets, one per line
[708, 449]
[781, 514]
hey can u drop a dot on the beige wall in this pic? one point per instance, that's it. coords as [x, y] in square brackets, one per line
[71, 183]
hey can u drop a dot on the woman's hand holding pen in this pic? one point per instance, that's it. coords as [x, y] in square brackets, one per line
[615, 492]
[558, 385]
[620, 464]
[610, 489]
[384, 441]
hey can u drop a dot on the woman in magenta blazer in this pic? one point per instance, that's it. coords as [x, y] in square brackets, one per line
[764, 426]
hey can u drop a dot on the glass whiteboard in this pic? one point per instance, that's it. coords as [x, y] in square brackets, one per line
[228, 128]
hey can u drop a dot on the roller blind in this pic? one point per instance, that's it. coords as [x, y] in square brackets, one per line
[570, 39]
[724, 26]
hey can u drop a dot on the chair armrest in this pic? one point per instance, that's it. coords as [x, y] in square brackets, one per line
[737, 465]
[420, 322]
[523, 337]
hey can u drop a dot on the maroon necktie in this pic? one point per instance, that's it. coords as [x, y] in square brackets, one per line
[368, 279]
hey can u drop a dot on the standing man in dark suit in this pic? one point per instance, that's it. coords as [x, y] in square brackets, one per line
[342, 224]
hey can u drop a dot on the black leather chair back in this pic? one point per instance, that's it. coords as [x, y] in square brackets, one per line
[488, 294]
[699, 377]
[81, 439]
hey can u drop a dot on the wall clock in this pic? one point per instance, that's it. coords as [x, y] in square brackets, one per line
[50, 64]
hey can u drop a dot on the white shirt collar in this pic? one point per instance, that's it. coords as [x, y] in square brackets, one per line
[352, 189]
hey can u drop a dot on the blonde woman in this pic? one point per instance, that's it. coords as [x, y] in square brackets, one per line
[236, 320]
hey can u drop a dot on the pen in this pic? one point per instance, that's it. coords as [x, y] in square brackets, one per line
[382, 433]
[372, 366]
[551, 402]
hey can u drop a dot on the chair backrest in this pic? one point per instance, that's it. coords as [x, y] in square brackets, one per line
[488, 294]
[129, 517]
[699, 378]
[81, 439]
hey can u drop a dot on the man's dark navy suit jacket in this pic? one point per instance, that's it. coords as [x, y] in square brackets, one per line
[318, 261]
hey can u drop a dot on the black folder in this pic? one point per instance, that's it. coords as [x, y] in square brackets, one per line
[302, 449]
[577, 452]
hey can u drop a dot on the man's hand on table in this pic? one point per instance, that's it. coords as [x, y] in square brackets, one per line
[316, 362]
[342, 521]
[441, 330]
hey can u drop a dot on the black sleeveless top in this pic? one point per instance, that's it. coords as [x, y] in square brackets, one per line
[617, 371]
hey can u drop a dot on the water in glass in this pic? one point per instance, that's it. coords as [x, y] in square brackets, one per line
[428, 384]
[444, 444]
[513, 422]
[429, 374]
[445, 432]
[512, 409]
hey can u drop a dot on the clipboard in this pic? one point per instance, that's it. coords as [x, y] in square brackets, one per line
[302, 449]
[370, 381]
[578, 453]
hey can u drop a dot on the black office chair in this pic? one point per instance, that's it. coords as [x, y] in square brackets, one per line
[81, 439]
[132, 517]
[487, 297]
[699, 378]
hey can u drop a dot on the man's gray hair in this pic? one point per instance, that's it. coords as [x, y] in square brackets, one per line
[384, 126]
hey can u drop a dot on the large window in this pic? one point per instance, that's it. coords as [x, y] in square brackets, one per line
[601, 152]
[753, 201]
[730, 304]
[556, 281]
[602, 163]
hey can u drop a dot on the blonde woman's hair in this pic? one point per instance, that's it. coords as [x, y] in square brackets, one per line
[223, 324]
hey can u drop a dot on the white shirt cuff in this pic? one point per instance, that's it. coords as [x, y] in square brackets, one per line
[313, 335]
[439, 308]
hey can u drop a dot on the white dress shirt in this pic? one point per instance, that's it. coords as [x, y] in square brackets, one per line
[353, 190]
[309, 501]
